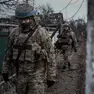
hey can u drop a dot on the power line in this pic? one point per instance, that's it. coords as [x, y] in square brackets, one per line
[66, 6]
[77, 10]
[66, 12]
[74, 2]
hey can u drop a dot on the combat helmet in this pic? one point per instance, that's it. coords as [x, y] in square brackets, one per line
[24, 10]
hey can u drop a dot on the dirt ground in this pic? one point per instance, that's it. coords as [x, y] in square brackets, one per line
[72, 82]
[68, 82]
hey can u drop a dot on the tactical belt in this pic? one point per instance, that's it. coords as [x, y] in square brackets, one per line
[28, 47]
[21, 61]
[65, 44]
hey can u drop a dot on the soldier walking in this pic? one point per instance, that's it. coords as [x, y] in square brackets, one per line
[66, 43]
[30, 50]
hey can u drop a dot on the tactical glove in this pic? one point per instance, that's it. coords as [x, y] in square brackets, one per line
[50, 83]
[5, 77]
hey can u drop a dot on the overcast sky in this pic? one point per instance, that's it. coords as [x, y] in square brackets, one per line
[70, 10]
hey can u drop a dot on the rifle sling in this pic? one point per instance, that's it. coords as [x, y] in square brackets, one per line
[21, 50]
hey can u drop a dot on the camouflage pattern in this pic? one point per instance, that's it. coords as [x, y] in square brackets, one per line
[68, 44]
[36, 63]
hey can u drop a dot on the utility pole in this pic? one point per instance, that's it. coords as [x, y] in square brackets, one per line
[90, 50]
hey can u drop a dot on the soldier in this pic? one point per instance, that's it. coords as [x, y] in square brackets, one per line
[35, 64]
[66, 42]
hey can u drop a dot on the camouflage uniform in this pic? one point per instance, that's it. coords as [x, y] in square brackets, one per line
[66, 42]
[36, 63]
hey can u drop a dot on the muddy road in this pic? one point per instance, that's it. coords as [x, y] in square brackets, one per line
[71, 82]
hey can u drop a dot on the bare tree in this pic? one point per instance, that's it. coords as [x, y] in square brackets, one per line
[46, 9]
[7, 6]
[31, 2]
[8, 3]
[26, 1]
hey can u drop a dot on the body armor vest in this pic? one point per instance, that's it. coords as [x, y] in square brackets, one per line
[65, 38]
[28, 57]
